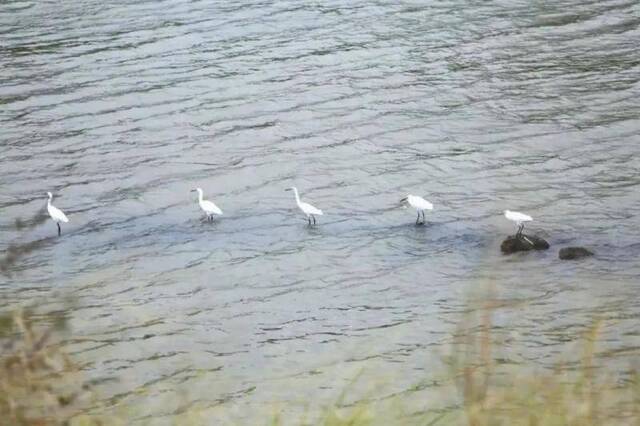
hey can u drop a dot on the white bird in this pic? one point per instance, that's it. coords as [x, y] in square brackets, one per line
[519, 219]
[207, 206]
[306, 208]
[418, 203]
[55, 213]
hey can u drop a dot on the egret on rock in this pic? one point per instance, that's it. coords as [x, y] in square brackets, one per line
[519, 219]
[418, 203]
[208, 207]
[306, 208]
[56, 214]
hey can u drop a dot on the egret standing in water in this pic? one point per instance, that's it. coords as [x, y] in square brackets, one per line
[418, 203]
[207, 206]
[55, 213]
[519, 219]
[306, 208]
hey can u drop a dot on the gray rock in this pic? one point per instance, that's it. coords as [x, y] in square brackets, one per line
[525, 242]
[573, 253]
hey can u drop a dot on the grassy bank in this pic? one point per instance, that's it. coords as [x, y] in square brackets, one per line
[41, 385]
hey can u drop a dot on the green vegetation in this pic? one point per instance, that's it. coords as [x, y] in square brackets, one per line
[41, 385]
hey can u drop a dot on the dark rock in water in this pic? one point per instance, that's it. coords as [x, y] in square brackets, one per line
[572, 253]
[523, 243]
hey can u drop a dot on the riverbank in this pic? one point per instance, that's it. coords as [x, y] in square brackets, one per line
[41, 384]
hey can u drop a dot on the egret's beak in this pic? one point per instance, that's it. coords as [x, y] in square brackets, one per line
[288, 189]
[404, 199]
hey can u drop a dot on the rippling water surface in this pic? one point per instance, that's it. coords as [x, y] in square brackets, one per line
[120, 109]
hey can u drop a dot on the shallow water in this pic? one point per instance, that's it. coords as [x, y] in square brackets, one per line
[121, 109]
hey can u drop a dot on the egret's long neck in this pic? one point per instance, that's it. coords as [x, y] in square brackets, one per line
[200, 196]
[49, 201]
[295, 192]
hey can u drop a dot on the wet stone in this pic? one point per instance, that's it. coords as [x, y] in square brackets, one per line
[573, 253]
[524, 242]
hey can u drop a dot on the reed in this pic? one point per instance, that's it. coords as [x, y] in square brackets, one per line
[41, 385]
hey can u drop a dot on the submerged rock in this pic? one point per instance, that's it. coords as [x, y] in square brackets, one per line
[573, 253]
[523, 243]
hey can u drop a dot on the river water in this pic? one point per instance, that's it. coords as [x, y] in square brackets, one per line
[121, 108]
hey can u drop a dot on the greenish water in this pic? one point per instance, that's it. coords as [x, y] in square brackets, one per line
[120, 109]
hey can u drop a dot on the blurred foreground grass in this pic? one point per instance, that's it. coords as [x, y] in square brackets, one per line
[41, 385]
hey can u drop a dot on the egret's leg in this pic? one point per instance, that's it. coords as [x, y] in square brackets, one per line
[314, 219]
[529, 241]
[418, 218]
[59, 231]
[424, 218]
[309, 219]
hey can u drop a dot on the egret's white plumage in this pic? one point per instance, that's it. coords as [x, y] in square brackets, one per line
[418, 203]
[207, 206]
[309, 210]
[518, 218]
[56, 214]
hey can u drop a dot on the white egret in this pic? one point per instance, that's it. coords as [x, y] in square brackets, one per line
[306, 208]
[55, 213]
[519, 219]
[418, 203]
[207, 206]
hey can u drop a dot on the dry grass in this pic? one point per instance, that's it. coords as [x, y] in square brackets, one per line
[41, 385]
[571, 395]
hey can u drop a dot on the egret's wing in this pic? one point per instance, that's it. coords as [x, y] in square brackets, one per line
[521, 217]
[424, 204]
[210, 207]
[419, 203]
[309, 209]
[57, 214]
